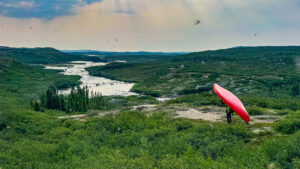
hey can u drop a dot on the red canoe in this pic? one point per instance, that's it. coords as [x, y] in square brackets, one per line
[232, 101]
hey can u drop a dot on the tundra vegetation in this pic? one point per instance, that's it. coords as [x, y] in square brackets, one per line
[265, 78]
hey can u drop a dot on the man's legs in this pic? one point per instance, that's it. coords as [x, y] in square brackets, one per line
[229, 117]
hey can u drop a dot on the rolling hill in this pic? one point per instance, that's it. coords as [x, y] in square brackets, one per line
[253, 70]
[42, 55]
[134, 57]
[21, 82]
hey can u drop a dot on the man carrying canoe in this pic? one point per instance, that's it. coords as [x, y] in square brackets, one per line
[231, 100]
[229, 112]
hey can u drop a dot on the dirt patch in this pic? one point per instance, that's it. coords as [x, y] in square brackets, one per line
[217, 114]
[82, 117]
[264, 119]
[262, 130]
[208, 114]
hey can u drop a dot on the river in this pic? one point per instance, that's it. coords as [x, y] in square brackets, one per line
[106, 87]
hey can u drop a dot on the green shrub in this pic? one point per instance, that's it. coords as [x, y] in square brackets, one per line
[205, 98]
[290, 124]
[255, 110]
[283, 151]
[215, 141]
[296, 162]
[3, 121]
[183, 124]
[284, 112]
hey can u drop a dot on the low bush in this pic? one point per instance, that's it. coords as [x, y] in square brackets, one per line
[290, 124]
[255, 110]
[284, 152]
[136, 140]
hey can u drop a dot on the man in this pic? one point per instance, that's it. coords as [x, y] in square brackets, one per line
[229, 111]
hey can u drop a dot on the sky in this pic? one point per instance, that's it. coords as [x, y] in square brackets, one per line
[149, 25]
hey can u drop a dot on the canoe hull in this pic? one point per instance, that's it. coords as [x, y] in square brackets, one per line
[232, 101]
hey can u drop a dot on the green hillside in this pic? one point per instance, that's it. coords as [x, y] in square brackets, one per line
[42, 55]
[21, 82]
[129, 56]
[266, 71]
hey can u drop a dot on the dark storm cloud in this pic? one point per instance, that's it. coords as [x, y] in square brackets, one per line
[43, 9]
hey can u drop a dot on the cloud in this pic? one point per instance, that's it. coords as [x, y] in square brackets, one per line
[20, 5]
[43, 9]
[156, 25]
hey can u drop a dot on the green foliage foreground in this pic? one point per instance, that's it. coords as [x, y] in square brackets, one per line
[135, 140]
[290, 124]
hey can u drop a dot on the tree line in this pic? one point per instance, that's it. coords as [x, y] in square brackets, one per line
[78, 100]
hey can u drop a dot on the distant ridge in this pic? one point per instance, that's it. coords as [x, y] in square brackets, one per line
[110, 53]
[39, 55]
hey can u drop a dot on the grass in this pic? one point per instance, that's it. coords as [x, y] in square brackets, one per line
[290, 124]
[135, 139]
